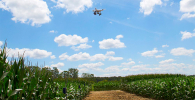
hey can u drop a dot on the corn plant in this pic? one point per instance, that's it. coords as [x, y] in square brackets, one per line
[20, 82]
[107, 85]
[173, 88]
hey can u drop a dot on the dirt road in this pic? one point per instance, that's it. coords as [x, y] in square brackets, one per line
[113, 95]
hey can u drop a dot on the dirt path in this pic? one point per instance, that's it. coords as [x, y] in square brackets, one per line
[113, 95]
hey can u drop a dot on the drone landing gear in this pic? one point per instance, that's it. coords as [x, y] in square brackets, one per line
[100, 14]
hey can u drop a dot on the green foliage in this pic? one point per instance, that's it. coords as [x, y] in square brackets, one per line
[18, 82]
[73, 72]
[107, 85]
[87, 75]
[148, 76]
[172, 88]
[103, 81]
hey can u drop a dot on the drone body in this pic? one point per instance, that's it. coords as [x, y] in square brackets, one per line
[97, 11]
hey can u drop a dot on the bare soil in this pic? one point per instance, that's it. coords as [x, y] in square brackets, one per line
[113, 95]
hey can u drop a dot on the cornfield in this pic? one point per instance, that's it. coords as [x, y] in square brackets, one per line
[17, 82]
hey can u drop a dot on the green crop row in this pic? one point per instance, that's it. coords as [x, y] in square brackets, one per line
[148, 76]
[107, 85]
[174, 88]
[73, 91]
[18, 82]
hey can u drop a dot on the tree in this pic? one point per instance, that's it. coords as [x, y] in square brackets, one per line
[73, 72]
[87, 75]
[92, 75]
[55, 72]
[65, 74]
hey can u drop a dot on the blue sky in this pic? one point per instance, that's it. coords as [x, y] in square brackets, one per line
[130, 37]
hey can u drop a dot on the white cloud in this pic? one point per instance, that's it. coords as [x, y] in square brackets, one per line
[160, 51]
[60, 71]
[110, 22]
[52, 31]
[160, 56]
[166, 61]
[194, 30]
[112, 74]
[164, 4]
[82, 70]
[146, 6]
[127, 18]
[187, 15]
[53, 1]
[58, 65]
[93, 41]
[150, 53]
[115, 58]
[32, 53]
[69, 40]
[165, 45]
[125, 69]
[86, 56]
[92, 66]
[79, 56]
[74, 6]
[140, 66]
[110, 53]
[182, 51]
[162, 68]
[26, 11]
[193, 59]
[128, 64]
[119, 36]
[63, 56]
[52, 57]
[179, 65]
[129, 59]
[81, 46]
[140, 62]
[98, 57]
[187, 7]
[186, 35]
[111, 43]
[1, 43]
[112, 69]
[172, 66]
[171, 3]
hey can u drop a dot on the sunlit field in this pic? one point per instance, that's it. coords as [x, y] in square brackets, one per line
[19, 82]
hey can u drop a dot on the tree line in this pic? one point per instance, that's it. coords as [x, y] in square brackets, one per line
[73, 73]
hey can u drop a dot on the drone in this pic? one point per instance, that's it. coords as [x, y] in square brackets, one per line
[97, 11]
